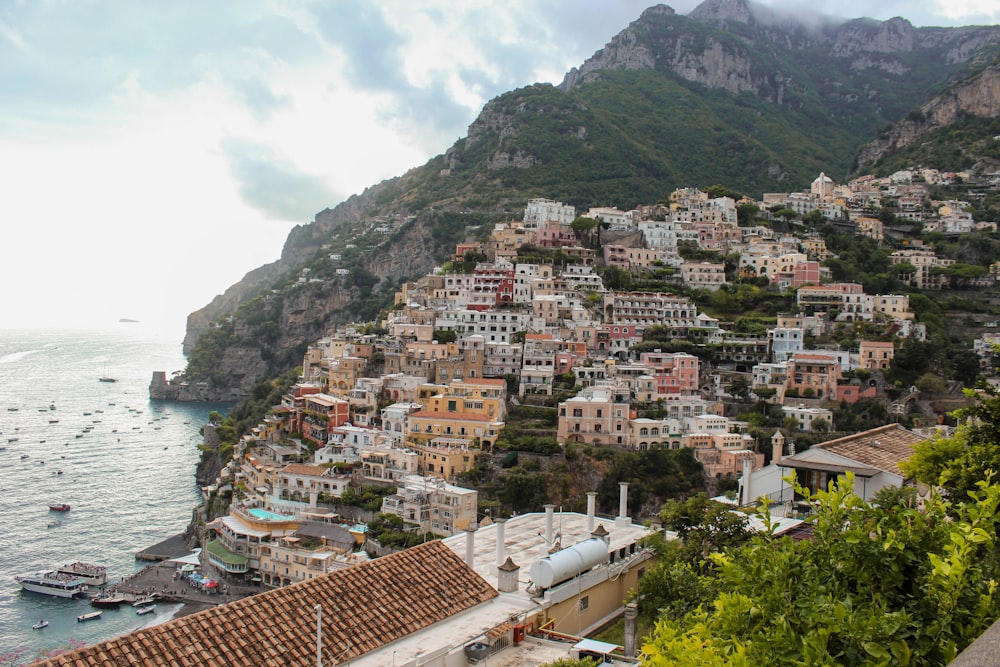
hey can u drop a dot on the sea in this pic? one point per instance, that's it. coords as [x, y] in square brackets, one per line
[125, 465]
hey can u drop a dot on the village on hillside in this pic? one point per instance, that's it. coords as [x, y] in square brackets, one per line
[548, 338]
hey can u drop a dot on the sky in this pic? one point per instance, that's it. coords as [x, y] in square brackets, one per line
[151, 153]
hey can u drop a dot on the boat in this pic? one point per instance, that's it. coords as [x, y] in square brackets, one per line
[53, 524]
[143, 601]
[92, 574]
[142, 611]
[40, 625]
[107, 377]
[59, 507]
[107, 600]
[50, 582]
[89, 616]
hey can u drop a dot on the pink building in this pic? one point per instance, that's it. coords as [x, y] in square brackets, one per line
[813, 376]
[551, 234]
[616, 255]
[597, 415]
[675, 373]
[806, 273]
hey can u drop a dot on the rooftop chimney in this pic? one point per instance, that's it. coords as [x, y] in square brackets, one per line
[470, 546]
[591, 510]
[631, 629]
[777, 446]
[500, 538]
[623, 518]
[746, 498]
[507, 576]
[549, 529]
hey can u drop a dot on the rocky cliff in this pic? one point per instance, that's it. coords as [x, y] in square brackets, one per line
[977, 96]
[758, 50]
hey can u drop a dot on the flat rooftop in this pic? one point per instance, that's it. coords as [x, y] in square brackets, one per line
[524, 541]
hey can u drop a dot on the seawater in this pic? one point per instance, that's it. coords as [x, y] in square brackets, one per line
[127, 469]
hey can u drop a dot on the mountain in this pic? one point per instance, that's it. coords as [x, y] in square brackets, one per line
[951, 131]
[733, 93]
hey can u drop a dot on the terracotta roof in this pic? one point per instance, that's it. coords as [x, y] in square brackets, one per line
[364, 608]
[884, 447]
[304, 469]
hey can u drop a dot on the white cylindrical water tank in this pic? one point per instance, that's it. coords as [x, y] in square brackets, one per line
[569, 562]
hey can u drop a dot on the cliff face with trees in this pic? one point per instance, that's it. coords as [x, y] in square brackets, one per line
[729, 94]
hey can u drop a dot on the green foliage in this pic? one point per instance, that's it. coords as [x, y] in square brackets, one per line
[878, 584]
[654, 473]
[953, 147]
[703, 526]
[572, 662]
[369, 497]
[959, 463]
[389, 530]
[445, 335]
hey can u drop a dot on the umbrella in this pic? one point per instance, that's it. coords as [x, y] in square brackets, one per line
[211, 584]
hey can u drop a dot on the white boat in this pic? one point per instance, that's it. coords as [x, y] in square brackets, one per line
[142, 611]
[55, 524]
[92, 575]
[143, 601]
[50, 582]
[40, 625]
[89, 616]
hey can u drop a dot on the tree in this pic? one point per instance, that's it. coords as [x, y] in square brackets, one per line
[786, 213]
[820, 425]
[813, 218]
[746, 214]
[879, 584]
[445, 335]
[959, 463]
[739, 387]
[704, 526]
[584, 228]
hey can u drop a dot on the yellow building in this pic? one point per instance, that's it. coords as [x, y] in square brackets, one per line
[476, 430]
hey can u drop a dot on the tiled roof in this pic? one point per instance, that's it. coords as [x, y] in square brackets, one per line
[304, 469]
[364, 607]
[884, 447]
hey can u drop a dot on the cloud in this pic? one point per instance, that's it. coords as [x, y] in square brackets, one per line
[259, 98]
[370, 44]
[274, 186]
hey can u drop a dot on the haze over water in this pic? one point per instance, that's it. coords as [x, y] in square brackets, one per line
[127, 469]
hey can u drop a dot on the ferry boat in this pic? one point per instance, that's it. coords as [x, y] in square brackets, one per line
[59, 507]
[50, 582]
[92, 575]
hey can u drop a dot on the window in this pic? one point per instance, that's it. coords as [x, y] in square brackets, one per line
[584, 603]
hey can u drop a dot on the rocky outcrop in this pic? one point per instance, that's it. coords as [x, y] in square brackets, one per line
[210, 464]
[977, 96]
[659, 40]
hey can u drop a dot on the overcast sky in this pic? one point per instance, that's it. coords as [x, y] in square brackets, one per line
[151, 153]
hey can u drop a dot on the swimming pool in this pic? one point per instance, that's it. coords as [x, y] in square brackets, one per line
[259, 513]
